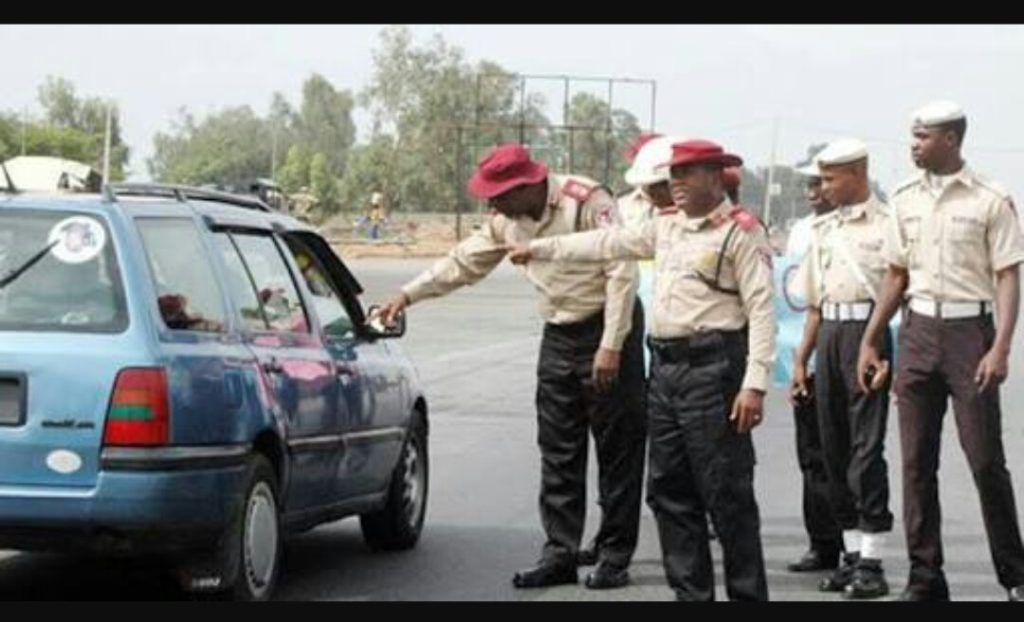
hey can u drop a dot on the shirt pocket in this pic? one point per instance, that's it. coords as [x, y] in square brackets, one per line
[912, 239]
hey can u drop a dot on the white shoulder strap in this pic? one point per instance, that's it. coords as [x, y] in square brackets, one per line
[844, 250]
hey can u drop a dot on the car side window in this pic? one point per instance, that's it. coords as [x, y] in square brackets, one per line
[333, 316]
[276, 292]
[240, 286]
[188, 294]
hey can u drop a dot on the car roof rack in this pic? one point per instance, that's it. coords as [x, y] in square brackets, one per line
[181, 193]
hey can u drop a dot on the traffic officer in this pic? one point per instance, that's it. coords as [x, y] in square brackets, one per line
[839, 277]
[953, 247]
[712, 342]
[650, 193]
[822, 530]
[590, 371]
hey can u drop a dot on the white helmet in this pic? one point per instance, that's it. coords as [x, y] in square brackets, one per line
[651, 163]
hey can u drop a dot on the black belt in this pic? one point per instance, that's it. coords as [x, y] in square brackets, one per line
[684, 348]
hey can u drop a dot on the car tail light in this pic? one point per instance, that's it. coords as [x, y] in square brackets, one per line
[139, 414]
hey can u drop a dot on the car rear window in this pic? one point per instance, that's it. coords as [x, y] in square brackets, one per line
[59, 272]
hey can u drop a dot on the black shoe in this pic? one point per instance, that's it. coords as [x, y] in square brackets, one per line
[841, 576]
[587, 556]
[544, 574]
[1016, 594]
[814, 560]
[607, 576]
[868, 581]
[918, 590]
[920, 596]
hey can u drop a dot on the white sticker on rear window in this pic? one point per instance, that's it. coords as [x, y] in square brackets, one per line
[77, 239]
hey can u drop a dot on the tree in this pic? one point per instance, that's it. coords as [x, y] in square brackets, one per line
[323, 185]
[596, 149]
[283, 124]
[294, 175]
[228, 148]
[427, 99]
[325, 123]
[75, 128]
[370, 170]
[10, 136]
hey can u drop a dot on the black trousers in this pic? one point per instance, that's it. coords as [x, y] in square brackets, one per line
[852, 429]
[567, 407]
[938, 359]
[700, 465]
[822, 529]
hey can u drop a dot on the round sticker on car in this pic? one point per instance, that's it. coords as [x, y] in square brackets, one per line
[77, 239]
[63, 461]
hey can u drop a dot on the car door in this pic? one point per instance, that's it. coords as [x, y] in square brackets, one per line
[374, 419]
[296, 366]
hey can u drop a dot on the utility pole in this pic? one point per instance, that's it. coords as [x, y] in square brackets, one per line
[769, 190]
[106, 145]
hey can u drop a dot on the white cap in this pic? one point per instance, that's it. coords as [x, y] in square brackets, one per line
[376, 198]
[650, 164]
[842, 151]
[810, 169]
[937, 113]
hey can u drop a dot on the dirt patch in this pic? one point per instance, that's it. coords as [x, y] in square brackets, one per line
[419, 235]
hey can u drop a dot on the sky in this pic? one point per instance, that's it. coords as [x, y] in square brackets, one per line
[748, 87]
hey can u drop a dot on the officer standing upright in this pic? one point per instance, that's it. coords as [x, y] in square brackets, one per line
[822, 530]
[840, 277]
[954, 247]
[712, 343]
[649, 178]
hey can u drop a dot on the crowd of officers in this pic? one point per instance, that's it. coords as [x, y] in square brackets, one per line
[945, 250]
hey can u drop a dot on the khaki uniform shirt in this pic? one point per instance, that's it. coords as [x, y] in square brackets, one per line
[686, 253]
[569, 292]
[856, 233]
[954, 239]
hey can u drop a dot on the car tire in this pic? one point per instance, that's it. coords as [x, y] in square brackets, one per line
[397, 526]
[247, 559]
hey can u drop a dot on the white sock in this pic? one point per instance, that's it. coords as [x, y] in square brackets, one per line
[852, 540]
[872, 546]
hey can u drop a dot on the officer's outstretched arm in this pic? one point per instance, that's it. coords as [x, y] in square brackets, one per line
[619, 242]
[471, 260]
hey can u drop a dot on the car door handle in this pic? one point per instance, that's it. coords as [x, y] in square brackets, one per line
[273, 366]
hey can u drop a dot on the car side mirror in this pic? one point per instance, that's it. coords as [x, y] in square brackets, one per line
[377, 329]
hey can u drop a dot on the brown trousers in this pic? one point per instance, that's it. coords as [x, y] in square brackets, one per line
[937, 359]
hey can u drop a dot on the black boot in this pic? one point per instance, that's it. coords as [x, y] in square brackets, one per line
[868, 581]
[841, 576]
[816, 558]
[545, 574]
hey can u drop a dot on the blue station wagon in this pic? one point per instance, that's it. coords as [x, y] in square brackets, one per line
[188, 373]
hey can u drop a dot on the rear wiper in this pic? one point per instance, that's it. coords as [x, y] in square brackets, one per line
[33, 260]
[7, 178]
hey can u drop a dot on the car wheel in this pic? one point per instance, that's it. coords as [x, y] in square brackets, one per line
[398, 524]
[247, 560]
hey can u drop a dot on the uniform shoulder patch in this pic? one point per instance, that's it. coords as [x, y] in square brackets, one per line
[578, 191]
[992, 186]
[906, 184]
[745, 219]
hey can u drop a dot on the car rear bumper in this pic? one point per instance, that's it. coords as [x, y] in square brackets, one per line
[157, 499]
